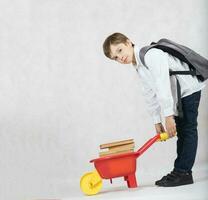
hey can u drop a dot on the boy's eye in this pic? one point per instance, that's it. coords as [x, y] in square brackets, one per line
[120, 50]
[116, 57]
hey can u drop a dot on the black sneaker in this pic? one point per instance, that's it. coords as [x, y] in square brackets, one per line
[175, 179]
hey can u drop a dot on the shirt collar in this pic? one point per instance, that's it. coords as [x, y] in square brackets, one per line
[137, 58]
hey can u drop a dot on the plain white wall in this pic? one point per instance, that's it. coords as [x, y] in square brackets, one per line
[60, 97]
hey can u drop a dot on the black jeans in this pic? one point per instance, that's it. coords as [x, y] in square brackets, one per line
[187, 133]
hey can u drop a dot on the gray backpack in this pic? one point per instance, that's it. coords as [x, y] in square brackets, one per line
[198, 65]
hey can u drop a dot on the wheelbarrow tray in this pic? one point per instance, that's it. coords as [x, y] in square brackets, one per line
[116, 165]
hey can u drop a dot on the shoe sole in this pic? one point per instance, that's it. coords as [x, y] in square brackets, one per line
[175, 185]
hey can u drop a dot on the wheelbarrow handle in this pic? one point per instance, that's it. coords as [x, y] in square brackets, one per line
[150, 142]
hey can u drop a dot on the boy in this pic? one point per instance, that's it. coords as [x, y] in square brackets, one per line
[160, 91]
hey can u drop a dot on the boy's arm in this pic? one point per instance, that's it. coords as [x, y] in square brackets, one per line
[157, 62]
[153, 106]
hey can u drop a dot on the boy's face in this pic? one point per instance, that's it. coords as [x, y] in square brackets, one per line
[123, 52]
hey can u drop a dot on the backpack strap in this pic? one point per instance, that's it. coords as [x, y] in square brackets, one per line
[143, 51]
[191, 72]
[179, 102]
[161, 45]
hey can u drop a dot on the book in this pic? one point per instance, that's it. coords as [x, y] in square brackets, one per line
[113, 148]
[121, 147]
[118, 143]
[107, 153]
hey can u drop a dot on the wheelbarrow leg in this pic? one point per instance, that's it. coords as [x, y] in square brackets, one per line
[131, 180]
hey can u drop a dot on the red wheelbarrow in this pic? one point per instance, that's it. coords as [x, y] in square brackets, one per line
[113, 166]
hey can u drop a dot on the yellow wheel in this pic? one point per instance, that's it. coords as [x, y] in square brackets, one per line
[91, 183]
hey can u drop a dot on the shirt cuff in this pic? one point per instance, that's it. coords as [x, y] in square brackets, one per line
[168, 112]
[156, 119]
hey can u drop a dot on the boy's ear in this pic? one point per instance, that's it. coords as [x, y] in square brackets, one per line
[128, 42]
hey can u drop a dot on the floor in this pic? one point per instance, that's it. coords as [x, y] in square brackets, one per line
[147, 190]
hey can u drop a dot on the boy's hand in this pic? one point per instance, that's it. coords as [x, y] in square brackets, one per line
[170, 126]
[159, 128]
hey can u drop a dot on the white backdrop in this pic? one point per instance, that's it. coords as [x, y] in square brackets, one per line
[60, 97]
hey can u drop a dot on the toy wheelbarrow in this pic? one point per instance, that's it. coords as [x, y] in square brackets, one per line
[113, 166]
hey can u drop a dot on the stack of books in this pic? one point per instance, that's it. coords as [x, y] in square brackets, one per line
[118, 147]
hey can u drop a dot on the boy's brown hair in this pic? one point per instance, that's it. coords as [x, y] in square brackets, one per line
[115, 38]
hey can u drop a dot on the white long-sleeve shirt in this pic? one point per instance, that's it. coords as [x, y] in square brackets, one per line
[159, 88]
